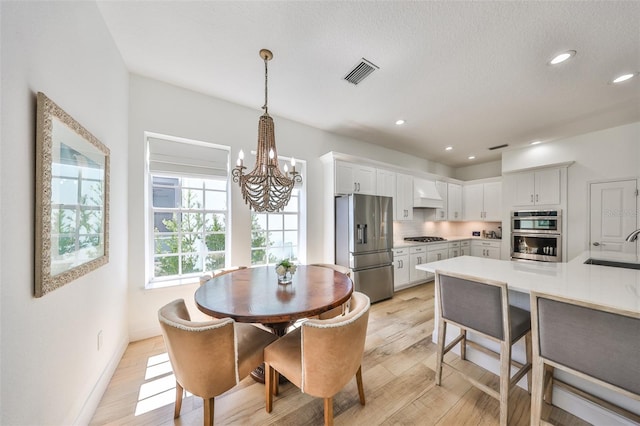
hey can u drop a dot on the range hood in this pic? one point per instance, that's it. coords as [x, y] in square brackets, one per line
[426, 195]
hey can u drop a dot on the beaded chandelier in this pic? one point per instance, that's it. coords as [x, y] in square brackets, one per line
[266, 188]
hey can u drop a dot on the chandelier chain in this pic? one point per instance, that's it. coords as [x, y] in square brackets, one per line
[265, 108]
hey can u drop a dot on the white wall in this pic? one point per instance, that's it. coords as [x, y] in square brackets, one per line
[52, 372]
[162, 108]
[606, 154]
[479, 171]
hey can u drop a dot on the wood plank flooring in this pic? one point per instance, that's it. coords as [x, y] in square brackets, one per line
[398, 374]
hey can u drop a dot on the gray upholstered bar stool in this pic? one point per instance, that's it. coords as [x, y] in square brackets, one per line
[598, 344]
[482, 306]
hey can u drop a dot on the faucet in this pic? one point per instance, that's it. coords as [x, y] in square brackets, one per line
[633, 236]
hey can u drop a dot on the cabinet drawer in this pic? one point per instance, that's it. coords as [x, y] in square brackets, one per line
[417, 249]
[400, 252]
[486, 244]
[439, 246]
[454, 245]
[465, 243]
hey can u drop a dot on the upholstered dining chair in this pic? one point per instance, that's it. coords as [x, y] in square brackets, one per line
[342, 309]
[482, 306]
[218, 272]
[321, 356]
[209, 358]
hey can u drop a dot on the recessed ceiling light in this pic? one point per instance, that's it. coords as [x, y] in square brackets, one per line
[624, 77]
[536, 142]
[449, 148]
[562, 57]
[472, 157]
[400, 122]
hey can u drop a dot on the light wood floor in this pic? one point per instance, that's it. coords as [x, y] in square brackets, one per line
[397, 373]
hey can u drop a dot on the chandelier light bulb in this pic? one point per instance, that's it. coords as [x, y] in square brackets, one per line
[286, 169]
[271, 154]
[241, 155]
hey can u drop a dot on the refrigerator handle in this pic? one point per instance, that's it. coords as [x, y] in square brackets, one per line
[365, 233]
[359, 234]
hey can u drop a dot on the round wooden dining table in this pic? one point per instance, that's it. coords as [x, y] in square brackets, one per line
[254, 295]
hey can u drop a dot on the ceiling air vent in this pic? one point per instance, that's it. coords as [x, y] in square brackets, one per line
[360, 71]
[498, 146]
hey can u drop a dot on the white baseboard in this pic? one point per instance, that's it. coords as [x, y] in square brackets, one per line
[94, 398]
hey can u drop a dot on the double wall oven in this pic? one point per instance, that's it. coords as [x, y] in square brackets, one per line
[536, 235]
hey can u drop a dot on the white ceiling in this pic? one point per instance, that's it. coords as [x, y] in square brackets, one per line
[467, 74]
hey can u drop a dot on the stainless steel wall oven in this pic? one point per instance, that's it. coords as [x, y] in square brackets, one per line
[536, 235]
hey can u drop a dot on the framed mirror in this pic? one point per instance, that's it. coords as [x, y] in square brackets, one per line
[72, 199]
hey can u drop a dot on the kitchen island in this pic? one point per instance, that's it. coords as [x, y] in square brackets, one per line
[607, 286]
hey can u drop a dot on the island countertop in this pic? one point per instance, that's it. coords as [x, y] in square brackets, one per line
[602, 285]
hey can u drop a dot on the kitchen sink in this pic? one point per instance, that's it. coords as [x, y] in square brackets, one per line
[615, 264]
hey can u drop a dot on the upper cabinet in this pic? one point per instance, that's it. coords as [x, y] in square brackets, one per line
[404, 197]
[354, 179]
[454, 201]
[483, 201]
[540, 187]
[440, 213]
[385, 183]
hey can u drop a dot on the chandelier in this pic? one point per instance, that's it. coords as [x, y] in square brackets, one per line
[266, 188]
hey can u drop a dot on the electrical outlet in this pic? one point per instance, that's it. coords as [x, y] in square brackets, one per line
[99, 339]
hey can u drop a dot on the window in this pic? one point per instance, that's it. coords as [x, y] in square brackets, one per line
[281, 235]
[188, 208]
[275, 236]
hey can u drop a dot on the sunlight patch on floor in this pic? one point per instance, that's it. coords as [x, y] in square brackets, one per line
[159, 388]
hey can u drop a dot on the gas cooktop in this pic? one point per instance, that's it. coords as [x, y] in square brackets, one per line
[424, 239]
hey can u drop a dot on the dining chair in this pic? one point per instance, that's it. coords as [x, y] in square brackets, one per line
[595, 343]
[218, 272]
[482, 306]
[321, 356]
[208, 358]
[340, 310]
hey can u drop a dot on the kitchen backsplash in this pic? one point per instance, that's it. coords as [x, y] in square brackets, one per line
[420, 227]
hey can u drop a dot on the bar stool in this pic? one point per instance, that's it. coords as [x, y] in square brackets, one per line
[482, 306]
[595, 343]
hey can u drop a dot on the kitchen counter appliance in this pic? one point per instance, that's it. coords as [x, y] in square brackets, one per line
[425, 239]
[536, 235]
[364, 239]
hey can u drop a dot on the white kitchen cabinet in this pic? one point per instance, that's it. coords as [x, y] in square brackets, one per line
[540, 187]
[454, 249]
[404, 197]
[417, 255]
[435, 252]
[401, 266]
[489, 249]
[483, 201]
[441, 213]
[385, 183]
[454, 201]
[465, 248]
[354, 179]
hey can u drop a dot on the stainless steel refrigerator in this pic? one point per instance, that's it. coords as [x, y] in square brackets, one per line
[364, 239]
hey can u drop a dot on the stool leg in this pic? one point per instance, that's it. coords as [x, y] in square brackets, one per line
[442, 331]
[537, 390]
[463, 345]
[527, 344]
[505, 378]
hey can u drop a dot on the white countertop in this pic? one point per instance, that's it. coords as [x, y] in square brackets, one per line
[603, 285]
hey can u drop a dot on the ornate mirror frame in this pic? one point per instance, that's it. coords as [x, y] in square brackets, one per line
[72, 199]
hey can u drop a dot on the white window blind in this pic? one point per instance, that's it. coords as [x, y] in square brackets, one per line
[187, 158]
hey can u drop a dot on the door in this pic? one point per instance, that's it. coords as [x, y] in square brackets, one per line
[547, 187]
[613, 207]
[492, 201]
[473, 196]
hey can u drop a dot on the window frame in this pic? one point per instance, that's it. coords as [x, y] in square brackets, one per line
[151, 281]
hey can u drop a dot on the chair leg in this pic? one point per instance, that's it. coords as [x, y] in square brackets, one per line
[328, 411]
[442, 330]
[528, 350]
[268, 385]
[360, 386]
[178, 406]
[505, 379]
[463, 345]
[537, 390]
[208, 411]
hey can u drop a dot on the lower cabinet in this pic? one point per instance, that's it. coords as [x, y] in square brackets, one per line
[483, 248]
[465, 248]
[417, 255]
[400, 268]
[436, 252]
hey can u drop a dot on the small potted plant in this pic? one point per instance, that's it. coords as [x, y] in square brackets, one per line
[285, 270]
